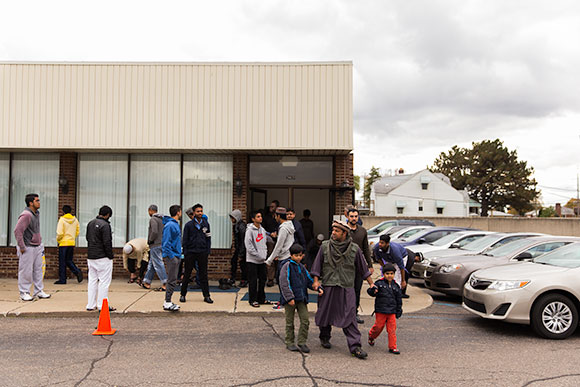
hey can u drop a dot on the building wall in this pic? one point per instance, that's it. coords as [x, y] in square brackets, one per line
[411, 193]
[219, 262]
[176, 106]
[551, 226]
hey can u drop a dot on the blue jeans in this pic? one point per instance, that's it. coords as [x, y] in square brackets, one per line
[155, 266]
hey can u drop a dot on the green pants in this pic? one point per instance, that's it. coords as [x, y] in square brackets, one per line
[289, 311]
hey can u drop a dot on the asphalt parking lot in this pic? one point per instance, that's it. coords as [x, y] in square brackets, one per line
[442, 345]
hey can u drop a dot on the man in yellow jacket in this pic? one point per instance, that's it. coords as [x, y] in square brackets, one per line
[66, 233]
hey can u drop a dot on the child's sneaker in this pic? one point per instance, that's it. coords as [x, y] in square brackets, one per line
[394, 351]
[277, 306]
[371, 341]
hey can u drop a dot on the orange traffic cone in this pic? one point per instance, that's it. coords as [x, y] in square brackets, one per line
[104, 327]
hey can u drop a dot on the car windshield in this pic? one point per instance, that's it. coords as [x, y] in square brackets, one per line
[482, 243]
[508, 248]
[407, 234]
[421, 234]
[567, 256]
[376, 230]
[447, 239]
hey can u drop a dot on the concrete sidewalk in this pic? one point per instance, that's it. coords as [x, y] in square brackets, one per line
[71, 300]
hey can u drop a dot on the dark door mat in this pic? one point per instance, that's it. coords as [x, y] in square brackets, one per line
[275, 297]
[212, 289]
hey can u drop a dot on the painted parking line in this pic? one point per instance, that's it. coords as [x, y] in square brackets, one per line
[434, 318]
[447, 304]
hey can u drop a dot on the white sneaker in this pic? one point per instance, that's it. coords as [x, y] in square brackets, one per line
[170, 306]
[26, 297]
[42, 294]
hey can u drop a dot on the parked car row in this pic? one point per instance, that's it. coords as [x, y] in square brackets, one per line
[526, 278]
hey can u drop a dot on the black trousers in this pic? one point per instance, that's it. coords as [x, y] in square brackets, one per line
[190, 260]
[358, 281]
[65, 259]
[132, 267]
[234, 265]
[256, 282]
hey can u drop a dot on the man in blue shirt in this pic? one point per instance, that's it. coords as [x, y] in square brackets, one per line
[171, 252]
[387, 251]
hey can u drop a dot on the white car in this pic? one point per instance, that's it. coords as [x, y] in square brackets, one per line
[544, 292]
[476, 247]
[403, 232]
[455, 240]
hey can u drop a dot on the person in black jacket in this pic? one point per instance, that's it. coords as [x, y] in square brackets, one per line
[239, 249]
[298, 233]
[196, 248]
[99, 258]
[388, 307]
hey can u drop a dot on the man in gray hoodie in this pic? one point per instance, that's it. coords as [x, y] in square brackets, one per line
[30, 250]
[256, 251]
[154, 239]
[285, 237]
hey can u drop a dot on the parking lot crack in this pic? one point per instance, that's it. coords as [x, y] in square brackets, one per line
[95, 361]
[312, 379]
[550, 378]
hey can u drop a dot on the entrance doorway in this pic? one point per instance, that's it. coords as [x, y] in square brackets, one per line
[298, 182]
[317, 200]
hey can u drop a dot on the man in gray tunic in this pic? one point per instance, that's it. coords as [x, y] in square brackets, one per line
[338, 262]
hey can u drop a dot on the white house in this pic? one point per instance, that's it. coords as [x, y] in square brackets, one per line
[421, 194]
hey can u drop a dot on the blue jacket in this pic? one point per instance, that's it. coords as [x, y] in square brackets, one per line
[171, 241]
[394, 254]
[294, 282]
[388, 298]
[197, 236]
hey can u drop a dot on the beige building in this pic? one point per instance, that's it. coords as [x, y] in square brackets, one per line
[227, 135]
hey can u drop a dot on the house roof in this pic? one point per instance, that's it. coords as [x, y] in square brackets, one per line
[389, 183]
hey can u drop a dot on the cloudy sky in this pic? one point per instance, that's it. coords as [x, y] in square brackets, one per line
[427, 74]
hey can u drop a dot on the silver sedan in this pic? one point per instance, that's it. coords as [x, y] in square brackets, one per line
[544, 292]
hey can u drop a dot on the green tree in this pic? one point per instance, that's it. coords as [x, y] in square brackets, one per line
[547, 212]
[491, 174]
[373, 176]
[357, 182]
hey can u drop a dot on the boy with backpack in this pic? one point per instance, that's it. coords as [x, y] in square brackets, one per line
[294, 282]
[388, 307]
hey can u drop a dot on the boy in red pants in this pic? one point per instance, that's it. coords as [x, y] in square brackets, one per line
[388, 307]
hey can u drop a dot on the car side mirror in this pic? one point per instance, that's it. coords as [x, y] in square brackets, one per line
[524, 256]
[421, 241]
[454, 246]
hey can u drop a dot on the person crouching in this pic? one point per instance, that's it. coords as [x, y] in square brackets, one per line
[294, 282]
[388, 307]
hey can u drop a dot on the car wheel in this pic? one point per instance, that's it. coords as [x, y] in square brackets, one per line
[554, 316]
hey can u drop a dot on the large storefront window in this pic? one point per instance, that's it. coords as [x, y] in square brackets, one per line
[36, 173]
[155, 179]
[208, 180]
[103, 180]
[4, 184]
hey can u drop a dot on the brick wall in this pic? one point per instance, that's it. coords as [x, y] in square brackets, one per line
[343, 171]
[68, 170]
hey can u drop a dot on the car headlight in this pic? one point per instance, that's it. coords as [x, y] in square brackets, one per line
[450, 268]
[507, 285]
[426, 261]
